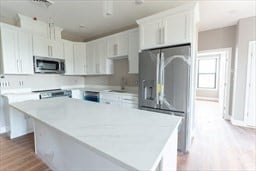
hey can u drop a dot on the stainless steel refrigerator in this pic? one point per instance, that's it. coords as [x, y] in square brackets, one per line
[164, 85]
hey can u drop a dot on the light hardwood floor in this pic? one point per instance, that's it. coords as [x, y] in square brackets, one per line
[18, 155]
[217, 145]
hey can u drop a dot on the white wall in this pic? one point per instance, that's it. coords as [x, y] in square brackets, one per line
[246, 31]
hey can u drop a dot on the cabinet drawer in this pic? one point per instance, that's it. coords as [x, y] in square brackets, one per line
[109, 96]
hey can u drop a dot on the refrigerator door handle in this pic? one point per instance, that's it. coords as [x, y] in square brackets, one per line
[158, 84]
[162, 75]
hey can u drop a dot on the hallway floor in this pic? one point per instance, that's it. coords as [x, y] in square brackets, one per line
[218, 145]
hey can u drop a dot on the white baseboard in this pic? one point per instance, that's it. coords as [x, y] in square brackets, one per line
[240, 123]
[207, 99]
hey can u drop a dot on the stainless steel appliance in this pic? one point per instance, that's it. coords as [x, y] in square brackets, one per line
[45, 94]
[164, 85]
[92, 96]
[49, 65]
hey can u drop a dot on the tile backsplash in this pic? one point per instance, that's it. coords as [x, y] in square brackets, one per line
[39, 81]
[121, 68]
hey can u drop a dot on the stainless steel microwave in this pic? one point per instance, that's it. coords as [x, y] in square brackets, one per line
[49, 65]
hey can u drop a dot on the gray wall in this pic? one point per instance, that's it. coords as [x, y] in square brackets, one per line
[218, 39]
[246, 32]
[120, 71]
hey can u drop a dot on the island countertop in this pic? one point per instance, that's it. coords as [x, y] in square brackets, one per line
[130, 137]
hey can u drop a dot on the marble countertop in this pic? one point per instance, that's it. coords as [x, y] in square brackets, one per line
[131, 138]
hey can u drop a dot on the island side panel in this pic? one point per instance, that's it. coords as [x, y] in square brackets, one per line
[169, 158]
[61, 152]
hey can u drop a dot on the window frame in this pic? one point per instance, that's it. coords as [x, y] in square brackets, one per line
[216, 74]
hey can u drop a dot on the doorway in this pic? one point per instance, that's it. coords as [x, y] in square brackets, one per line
[250, 99]
[213, 79]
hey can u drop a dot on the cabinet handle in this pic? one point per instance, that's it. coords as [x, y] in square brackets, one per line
[17, 63]
[159, 35]
[51, 51]
[163, 34]
[115, 49]
[48, 50]
[21, 69]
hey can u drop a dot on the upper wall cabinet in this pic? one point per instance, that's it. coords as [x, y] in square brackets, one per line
[96, 58]
[117, 45]
[168, 28]
[133, 56]
[47, 48]
[16, 51]
[79, 58]
[69, 57]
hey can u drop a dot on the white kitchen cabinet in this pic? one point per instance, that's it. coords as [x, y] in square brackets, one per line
[79, 58]
[171, 27]
[150, 34]
[57, 49]
[96, 58]
[133, 56]
[69, 57]
[25, 52]
[16, 48]
[175, 29]
[91, 57]
[105, 64]
[47, 48]
[119, 99]
[117, 45]
[9, 48]
[41, 46]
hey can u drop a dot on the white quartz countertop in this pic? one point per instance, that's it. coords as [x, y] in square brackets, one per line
[132, 138]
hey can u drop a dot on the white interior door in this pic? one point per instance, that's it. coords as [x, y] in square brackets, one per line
[250, 108]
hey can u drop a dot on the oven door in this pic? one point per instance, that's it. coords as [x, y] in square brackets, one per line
[46, 65]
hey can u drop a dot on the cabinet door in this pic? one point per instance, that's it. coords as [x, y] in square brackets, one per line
[123, 43]
[150, 34]
[133, 56]
[56, 48]
[80, 58]
[90, 57]
[25, 53]
[41, 46]
[102, 54]
[9, 41]
[112, 46]
[69, 57]
[175, 29]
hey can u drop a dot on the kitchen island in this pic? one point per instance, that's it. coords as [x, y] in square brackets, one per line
[71, 134]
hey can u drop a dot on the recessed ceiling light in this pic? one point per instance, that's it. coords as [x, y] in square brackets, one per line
[47, 3]
[139, 2]
[108, 7]
[82, 26]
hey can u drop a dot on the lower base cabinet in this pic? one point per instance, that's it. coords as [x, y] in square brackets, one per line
[129, 101]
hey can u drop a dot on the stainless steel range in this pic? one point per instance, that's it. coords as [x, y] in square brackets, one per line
[53, 93]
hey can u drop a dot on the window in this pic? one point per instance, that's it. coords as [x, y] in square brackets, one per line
[207, 72]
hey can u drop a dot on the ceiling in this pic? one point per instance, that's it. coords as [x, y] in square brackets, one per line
[70, 14]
